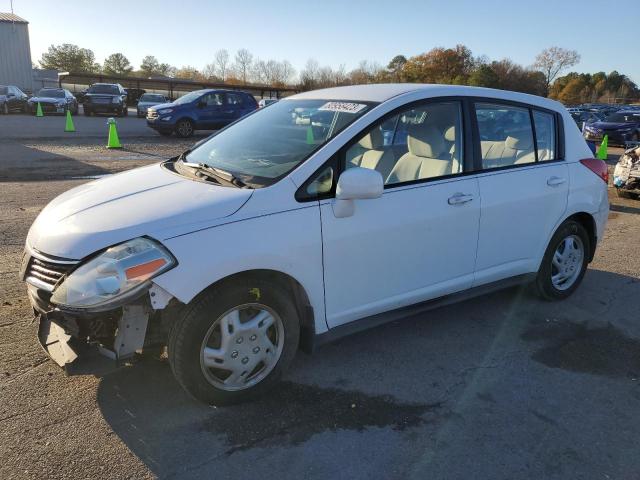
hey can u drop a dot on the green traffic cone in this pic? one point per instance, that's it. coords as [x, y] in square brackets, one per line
[69, 127]
[39, 111]
[114, 141]
[602, 151]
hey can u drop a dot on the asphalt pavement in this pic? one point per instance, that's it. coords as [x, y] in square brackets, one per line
[505, 386]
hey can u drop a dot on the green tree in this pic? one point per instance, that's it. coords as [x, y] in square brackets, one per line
[117, 64]
[69, 58]
[395, 67]
[440, 65]
[484, 76]
[149, 66]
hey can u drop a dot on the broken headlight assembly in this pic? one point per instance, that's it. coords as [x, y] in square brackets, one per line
[114, 276]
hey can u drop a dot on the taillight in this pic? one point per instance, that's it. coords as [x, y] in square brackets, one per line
[598, 167]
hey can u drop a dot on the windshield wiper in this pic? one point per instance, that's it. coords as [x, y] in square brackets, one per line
[221, 176]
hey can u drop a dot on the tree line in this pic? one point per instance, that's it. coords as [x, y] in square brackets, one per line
[457, 66]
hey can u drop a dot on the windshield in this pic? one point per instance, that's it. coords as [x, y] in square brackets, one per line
[110, 89]
[188, 98]
[624, 117]
[51, 93]
[152, 98]
[273, 141]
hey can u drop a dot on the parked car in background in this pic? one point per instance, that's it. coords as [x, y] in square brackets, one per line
[586, 117]
[16, 99]
[4, 106]
[53, 100]
[200, 110]
[266, 102]
[133, 95]
[105, 98]
[264, 239]
[620, 127]
[149, 100]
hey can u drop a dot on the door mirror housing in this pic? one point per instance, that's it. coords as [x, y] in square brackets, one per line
[356, 184]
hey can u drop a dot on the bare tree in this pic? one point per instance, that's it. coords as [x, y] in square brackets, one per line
[221, 61]
[551, 61]
[243, 62]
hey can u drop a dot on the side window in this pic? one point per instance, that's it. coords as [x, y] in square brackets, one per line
[213, 99]
[506, 136]
[418, 143]
[545, 127]
[234, 99]
[321, 185]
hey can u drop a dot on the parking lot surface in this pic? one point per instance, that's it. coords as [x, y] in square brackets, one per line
[500, 387]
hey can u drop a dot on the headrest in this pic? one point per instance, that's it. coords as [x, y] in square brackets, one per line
[372, 140]
[519, 141]
[450, 134]
[425, 141]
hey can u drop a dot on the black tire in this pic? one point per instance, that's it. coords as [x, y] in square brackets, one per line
[544, 284]
[125, 112]
[184, 128]
[5, 109]
[189, 332]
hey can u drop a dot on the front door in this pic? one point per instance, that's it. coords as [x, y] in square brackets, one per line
[416, 242]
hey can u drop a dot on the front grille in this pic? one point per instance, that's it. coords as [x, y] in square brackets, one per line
[45, 273]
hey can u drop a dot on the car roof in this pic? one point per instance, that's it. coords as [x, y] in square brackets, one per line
[385, 91]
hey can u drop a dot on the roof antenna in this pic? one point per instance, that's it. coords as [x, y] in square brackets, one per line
[11, 6]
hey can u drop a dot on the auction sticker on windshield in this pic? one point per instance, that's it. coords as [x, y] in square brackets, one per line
[345, 107]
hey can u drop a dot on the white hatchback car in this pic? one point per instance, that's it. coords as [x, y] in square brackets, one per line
[273, 236]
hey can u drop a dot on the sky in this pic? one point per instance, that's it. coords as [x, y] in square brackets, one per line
[334, 32]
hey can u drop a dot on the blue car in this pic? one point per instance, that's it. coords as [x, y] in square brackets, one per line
[621, 127]
[200, 110]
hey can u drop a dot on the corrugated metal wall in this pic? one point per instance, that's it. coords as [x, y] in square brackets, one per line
[15, 55]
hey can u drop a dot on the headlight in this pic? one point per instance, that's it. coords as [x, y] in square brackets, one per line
[115, 275]
[116, 100]
[165, 111]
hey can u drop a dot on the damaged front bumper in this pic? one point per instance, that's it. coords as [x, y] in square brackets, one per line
[84, 342]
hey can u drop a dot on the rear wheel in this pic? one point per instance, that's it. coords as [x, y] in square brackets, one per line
[184, 128]
[565, 262]
[234, 342]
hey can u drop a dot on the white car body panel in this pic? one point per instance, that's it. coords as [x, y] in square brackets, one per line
[374, 261]
[388, 256]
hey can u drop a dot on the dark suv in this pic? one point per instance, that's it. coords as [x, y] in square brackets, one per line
[15, 100]
[200, 110]
[105, 98]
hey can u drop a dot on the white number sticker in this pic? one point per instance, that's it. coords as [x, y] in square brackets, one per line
[345, 107]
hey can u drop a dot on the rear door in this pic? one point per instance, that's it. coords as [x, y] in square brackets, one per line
[524, 186]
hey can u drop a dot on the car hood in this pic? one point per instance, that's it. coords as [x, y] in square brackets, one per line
[46, 99]
[150, 104]
[145, 201]
[159, 106]
[613, 125]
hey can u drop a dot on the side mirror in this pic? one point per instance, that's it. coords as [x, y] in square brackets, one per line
[356, 184]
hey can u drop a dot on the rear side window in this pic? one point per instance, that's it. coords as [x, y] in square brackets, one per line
[234, 99]
[506, 135]
[545, 127]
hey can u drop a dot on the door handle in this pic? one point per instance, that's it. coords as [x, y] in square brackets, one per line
[555, 181]
[460, 199]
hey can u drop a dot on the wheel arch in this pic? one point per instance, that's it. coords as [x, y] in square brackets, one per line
[589, 223]
[285, 281]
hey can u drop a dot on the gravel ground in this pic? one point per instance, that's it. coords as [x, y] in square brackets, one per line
[500, 387]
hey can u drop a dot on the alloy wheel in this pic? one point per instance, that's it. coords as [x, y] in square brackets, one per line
[185, 129]
[242, 347]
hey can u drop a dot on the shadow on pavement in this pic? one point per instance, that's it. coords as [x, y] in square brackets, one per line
[434, 364]
[19, 163]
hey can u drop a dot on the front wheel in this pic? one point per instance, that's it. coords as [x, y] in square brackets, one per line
[184, 128]
[5, 109]
[565, 262]
[234, 342]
